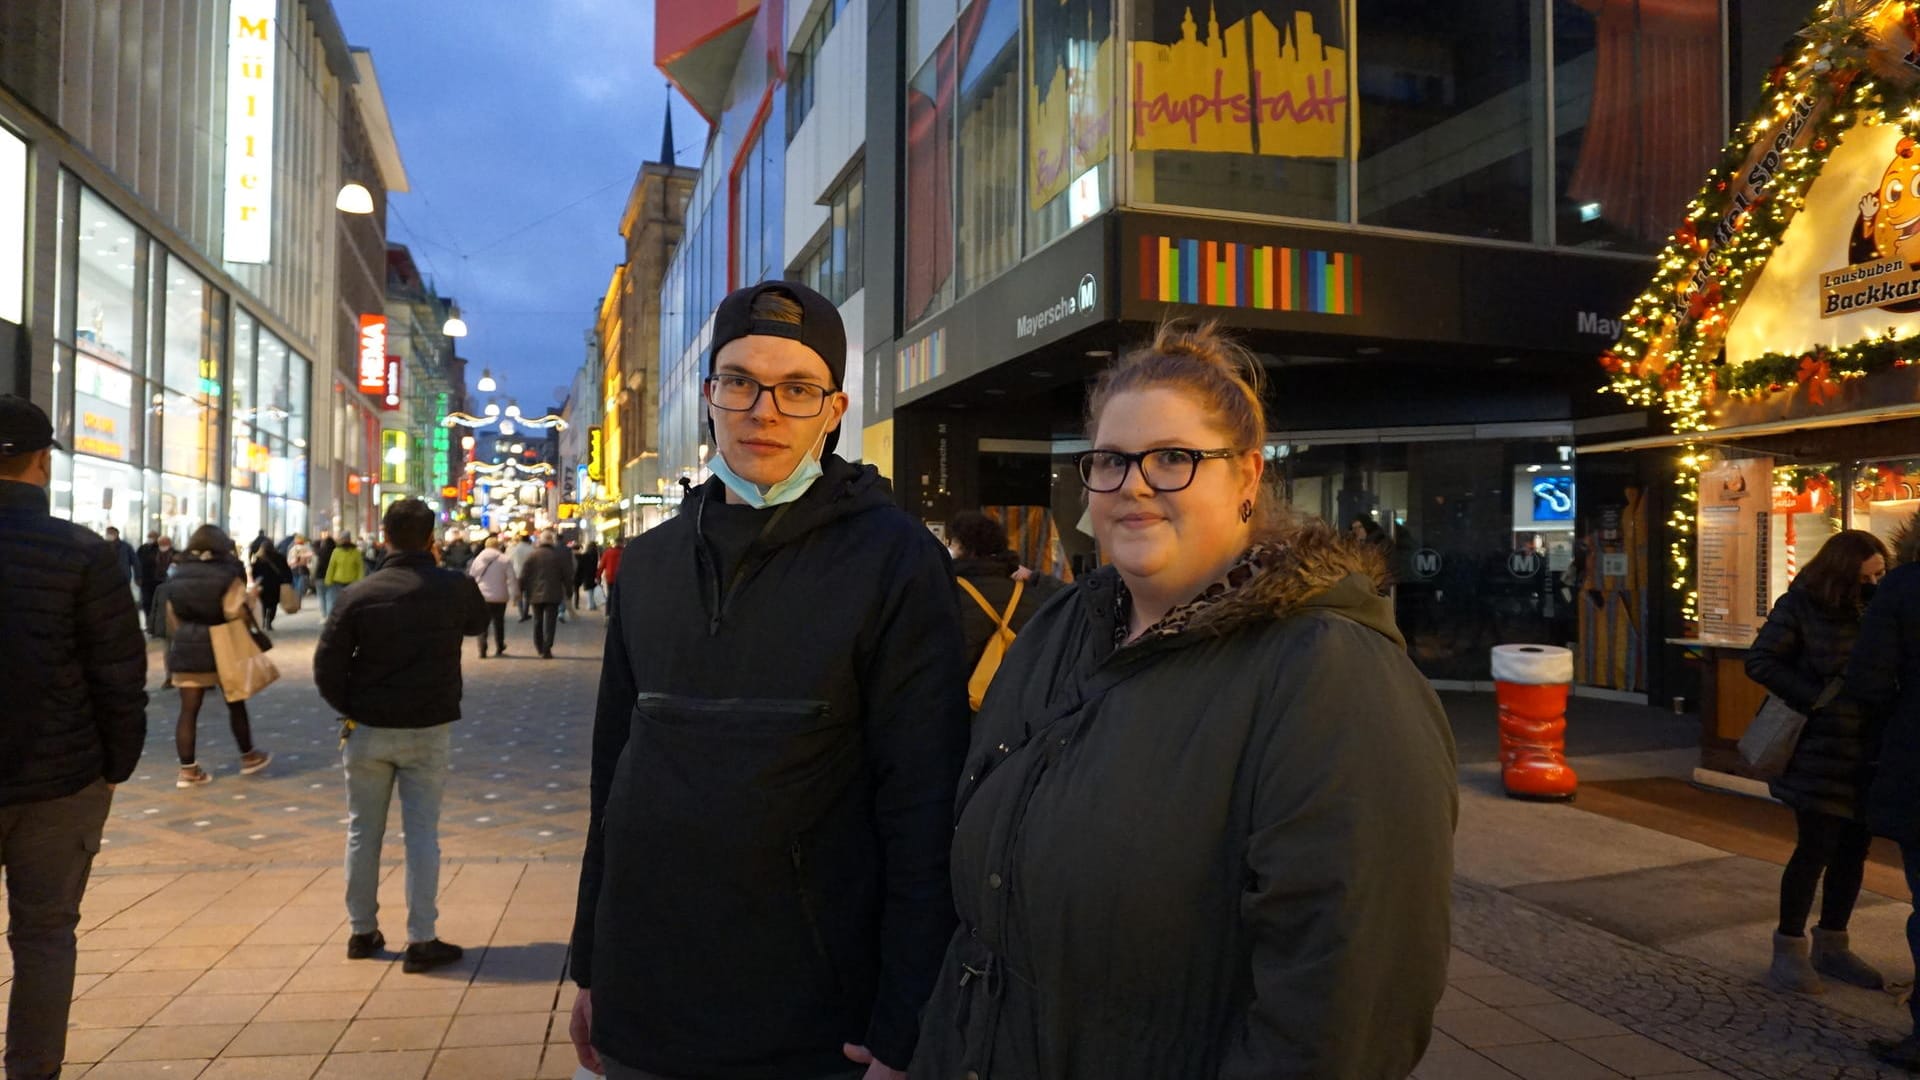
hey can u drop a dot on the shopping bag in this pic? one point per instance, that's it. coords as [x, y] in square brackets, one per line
[1771, 738]
[289, 600]
[244, 670]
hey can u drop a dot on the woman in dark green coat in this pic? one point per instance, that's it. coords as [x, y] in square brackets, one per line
[1206, 824]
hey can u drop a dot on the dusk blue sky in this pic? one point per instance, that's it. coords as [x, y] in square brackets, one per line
[508, 113]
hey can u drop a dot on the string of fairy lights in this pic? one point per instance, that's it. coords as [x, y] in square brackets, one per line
[1848, 67]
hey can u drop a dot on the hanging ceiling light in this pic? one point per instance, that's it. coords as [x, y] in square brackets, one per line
[486, 385]
[354, 198]
[455, 326]
[493, 408]
[513, 410]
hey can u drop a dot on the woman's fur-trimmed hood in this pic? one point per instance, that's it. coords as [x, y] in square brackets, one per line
[1309, 565]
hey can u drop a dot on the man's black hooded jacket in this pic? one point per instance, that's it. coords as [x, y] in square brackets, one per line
[781, 727]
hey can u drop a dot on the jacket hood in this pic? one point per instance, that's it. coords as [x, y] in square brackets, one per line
[1306, 566]
[843, 490]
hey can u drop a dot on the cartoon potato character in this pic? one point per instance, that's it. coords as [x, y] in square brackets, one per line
[1889, 222]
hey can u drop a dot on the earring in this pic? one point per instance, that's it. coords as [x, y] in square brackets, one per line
[1246, 511]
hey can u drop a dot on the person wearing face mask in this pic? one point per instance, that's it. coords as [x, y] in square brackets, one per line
[781, 723]
[1799, 656]
[1206, 826]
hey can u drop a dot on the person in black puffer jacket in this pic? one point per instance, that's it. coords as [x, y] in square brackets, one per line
[208, 589]
[73, 727]
[1799, 657]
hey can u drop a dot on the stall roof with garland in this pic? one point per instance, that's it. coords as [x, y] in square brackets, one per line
[1855, 66]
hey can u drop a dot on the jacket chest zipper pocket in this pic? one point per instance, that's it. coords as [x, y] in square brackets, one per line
[807, 910]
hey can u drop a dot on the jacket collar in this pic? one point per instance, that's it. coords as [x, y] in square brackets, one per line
[15, 495]
[403, 559]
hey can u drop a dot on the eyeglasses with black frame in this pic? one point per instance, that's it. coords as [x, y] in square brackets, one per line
[1165, 469]
[739, 393]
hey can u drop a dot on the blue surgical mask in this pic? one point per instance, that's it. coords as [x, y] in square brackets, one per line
[778, 493]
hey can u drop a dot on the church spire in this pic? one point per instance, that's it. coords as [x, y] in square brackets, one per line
[666, 133]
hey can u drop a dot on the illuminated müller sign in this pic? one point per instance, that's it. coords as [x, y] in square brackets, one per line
[373, 354]
[391, 402]
[596, 455]
[250, 52]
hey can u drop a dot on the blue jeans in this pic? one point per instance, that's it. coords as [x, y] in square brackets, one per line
[377, 759]
[327, 593]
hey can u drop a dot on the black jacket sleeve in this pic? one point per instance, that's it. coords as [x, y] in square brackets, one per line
[610, 724]
[1350, 863]
[1873, 668]
[473, 607]
[333, 657]
[113, 657]
[915, 692]
[1775, 660]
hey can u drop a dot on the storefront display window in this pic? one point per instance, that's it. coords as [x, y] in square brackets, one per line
[276, 400]
[183, 508]
[241, 397]
[190, 431]
[107, 494]
[192, 355]
[104, 289]
[1886, 494]
[1289, 154]
[1451, 105]
[13, 227]
[1621, 181]
[246, 515]
[103, 410]
[1071, 98]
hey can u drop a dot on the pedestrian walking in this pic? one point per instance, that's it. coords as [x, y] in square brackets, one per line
[520, 552]
[457, 554]
[492, 571]
[124, 554]
[300, 557]
[322, 558]
[208, 589]
[73, 728]
[389, 662]
[345, 566]
[586, 576]
[1883, 676]
[1249, 671]
[610, 568]
[998, 596]
[1800, 657]
[546, 580]
[270, 575]
[782, 719]
[155, 558]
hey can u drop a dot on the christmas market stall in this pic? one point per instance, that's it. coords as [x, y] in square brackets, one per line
[1780, 339]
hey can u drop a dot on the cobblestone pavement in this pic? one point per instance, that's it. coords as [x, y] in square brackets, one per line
[212, 939]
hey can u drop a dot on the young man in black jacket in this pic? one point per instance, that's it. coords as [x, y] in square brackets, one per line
[75, 721]
[389, 661]
[781, 726]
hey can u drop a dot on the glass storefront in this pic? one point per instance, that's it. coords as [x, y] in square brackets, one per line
[144, 395]
[1479, 535]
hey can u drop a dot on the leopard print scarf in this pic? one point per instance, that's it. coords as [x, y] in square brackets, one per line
[1257, 559]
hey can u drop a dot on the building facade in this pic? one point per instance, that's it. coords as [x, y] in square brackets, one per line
[168, 251]
[420, 454]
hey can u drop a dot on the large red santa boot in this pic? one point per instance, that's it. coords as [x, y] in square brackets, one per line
[1530, 683]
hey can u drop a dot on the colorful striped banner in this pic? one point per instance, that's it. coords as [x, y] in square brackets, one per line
[923, 361]
[1221, 273]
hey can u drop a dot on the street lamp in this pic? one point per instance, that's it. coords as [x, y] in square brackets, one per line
[493, 408]
[354, 198]
[455, 326]
[486, 385]
[513, 410]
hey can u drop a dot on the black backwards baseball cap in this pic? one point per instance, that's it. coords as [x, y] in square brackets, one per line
[820, 330]
[24, 427]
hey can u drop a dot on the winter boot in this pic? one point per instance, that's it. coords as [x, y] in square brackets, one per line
[1832, 957]
[1791, 970]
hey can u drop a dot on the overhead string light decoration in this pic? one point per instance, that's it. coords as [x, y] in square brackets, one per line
[540, 468]
[1848, 66]
[551, 421]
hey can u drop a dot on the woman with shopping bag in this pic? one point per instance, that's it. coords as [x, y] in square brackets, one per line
[214, 643]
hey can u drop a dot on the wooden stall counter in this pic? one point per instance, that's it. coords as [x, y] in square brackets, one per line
[1728, 700]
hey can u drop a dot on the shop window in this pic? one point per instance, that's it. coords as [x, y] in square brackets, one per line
[929, 175]
[184, 507]
[105, 282]
[103, 397]
[108, 494]
[1070, 115]
[189, 433]
[1621, 181]
[987, 209]
[1451, 103]
[299, 390]
[242, 398]
[1886, 495]
[190, 345]
[832, 265]
[1289, 156]
[271, 383]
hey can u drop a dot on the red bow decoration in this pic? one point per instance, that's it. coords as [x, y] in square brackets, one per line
[1816, 374]
[1610, 363]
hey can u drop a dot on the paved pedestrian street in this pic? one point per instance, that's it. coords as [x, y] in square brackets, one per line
[212, 943]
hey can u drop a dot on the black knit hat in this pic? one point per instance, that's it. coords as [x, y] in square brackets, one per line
[819, 329]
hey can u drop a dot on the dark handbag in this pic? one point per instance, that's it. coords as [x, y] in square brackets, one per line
[258, 635]
[1774, 734]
